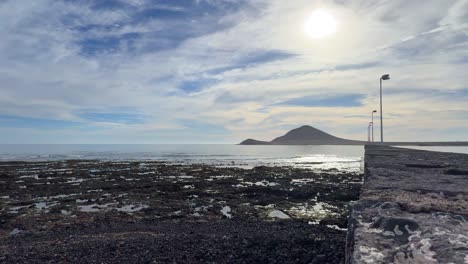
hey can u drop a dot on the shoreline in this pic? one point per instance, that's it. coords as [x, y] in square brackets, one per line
[360, 143]
[280, 214]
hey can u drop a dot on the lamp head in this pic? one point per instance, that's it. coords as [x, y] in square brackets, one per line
[385, 77]
[375, 111]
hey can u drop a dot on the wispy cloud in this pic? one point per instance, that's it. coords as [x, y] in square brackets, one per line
[227, 70]
[112, 117]
[347, 100]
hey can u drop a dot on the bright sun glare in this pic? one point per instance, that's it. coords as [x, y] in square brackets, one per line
[320, 24]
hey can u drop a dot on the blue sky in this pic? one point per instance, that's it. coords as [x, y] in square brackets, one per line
[220, 71]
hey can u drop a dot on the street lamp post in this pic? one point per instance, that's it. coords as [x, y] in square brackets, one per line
[368, 132]
[372, 114]
[384, 77]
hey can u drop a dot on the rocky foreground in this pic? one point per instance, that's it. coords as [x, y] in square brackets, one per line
[152, 212]
[413, 208]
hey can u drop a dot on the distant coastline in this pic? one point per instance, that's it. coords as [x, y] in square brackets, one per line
[307, 135]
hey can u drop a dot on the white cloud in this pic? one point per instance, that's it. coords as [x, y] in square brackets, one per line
[43, 73]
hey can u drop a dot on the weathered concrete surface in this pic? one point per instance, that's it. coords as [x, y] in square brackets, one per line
[412, 209]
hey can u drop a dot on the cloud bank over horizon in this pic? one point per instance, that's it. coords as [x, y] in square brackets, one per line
[220, 71]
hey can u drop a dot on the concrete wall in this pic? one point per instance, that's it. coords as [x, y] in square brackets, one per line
[412, 209]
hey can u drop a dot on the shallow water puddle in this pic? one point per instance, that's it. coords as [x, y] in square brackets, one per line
[131, 208]
[93, 207]
[59, 196]
[15, 231]
[44, 205]
[15, 209]
[302, 181]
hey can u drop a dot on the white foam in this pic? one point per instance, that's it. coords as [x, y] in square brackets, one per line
[259, 183]
[34, 176]
[337, 227]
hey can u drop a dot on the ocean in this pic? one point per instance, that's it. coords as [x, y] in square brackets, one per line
[324, 157]
[342, 158]
[463, 150]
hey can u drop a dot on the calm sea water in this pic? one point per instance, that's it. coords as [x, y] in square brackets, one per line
[343, 158]
[441, 149]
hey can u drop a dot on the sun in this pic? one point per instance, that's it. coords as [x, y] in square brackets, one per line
[320, 24]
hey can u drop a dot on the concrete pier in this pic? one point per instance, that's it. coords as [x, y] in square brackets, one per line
[413, 208]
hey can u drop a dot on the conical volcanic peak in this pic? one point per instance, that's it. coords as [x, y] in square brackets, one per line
[254, 142]
[305, 133]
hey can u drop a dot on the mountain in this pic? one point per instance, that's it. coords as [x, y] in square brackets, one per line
[305, 135]
[254, 142]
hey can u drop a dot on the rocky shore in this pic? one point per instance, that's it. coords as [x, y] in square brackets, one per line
[79, 211]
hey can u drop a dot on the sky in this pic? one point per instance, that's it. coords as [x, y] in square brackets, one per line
[221, 71]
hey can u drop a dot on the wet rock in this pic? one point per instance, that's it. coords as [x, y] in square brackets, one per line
[142, 212]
